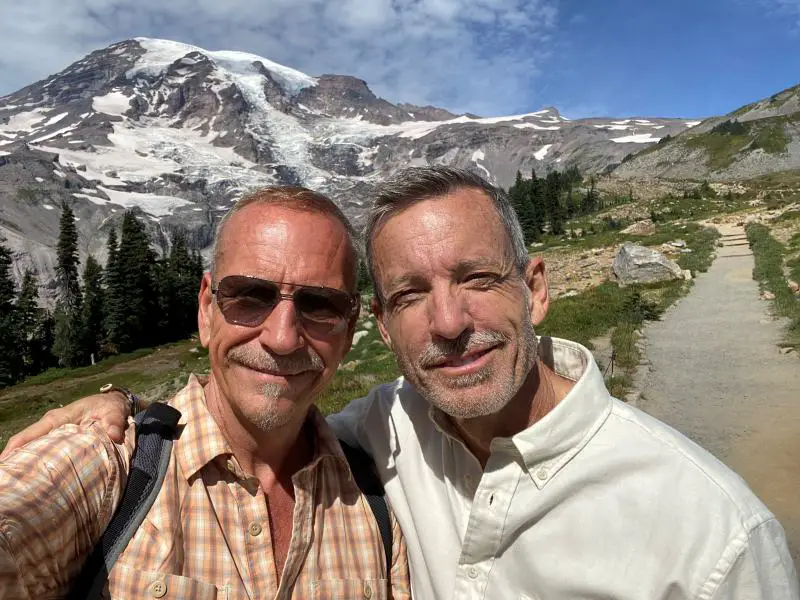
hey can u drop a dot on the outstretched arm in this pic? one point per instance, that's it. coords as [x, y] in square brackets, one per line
[110, 410]
[57, 495]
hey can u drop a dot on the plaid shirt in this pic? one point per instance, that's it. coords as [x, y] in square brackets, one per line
[207, 534]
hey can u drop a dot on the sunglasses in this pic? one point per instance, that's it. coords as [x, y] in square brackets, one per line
[247, 301]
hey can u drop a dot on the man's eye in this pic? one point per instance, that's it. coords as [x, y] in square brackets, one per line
[481, 278]
[405, 298]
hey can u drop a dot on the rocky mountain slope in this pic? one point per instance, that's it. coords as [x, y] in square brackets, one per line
[754, 140]
[179, 133]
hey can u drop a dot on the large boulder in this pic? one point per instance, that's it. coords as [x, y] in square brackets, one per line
[637, 264]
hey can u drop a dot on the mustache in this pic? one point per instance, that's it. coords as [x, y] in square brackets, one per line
[260, 360]
[466, 342]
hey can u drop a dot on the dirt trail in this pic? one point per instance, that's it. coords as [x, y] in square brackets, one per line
[718, 376]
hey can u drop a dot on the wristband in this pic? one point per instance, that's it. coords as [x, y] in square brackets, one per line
[133, 399]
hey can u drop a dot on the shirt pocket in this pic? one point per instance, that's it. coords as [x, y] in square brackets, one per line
[126, 583]
[350, 589]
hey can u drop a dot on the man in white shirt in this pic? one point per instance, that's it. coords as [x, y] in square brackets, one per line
[511, 470]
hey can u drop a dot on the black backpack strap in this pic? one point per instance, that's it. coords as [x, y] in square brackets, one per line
[155, 431]
[363, 469]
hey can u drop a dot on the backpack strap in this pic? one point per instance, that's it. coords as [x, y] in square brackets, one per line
[363, 469]
[155, 431]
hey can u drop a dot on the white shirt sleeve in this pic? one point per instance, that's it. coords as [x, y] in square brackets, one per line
[763, 569]
[349, 425]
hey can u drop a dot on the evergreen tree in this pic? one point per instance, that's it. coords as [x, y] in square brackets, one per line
[520, 200]
[134, 322]
[114, 308]
[178, 282]
[537, 200]
[93, 310]
[28, 319]
[68, 343]
[555, 211]
[10, 354]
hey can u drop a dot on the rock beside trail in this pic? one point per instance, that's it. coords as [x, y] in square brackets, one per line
[645, 227]
[637, 264]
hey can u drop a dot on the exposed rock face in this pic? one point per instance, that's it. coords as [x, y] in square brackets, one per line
[180, 133]
[637, 264]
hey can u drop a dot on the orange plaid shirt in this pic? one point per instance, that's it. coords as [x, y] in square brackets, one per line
[207, 534]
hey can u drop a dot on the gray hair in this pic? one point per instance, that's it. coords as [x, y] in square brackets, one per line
[294, 198]
[415, 184]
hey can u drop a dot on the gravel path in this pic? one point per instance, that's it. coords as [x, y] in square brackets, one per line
[718, 376]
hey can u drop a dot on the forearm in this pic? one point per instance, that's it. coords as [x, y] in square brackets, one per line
[57, 495]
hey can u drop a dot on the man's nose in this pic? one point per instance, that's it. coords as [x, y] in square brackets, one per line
[448, 314]
[281, 331]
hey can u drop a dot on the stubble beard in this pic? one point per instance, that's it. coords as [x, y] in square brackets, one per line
[451, 394]
[273, 413]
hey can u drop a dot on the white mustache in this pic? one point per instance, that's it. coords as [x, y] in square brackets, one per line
[288, 365]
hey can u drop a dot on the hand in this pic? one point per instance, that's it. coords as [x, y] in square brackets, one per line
[110, 410]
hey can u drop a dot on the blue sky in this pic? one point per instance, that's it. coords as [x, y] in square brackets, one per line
[490, 57]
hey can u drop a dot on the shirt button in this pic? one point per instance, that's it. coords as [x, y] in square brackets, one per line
[367, 591]
[542, 474]
[158, 589]
[254, 528]
[473, 573]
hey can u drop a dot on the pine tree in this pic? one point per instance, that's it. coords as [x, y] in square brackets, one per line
[93, 311]
[10, 354]
[555, 211]
[68, 343]
[28, 317]
[135, 317]
[114, 308]
[520, 200]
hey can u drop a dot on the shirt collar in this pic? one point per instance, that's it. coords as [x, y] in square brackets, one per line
[549, 444]
[202, 440]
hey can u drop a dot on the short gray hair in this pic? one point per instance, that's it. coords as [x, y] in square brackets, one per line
[294, 198]
[416, 184]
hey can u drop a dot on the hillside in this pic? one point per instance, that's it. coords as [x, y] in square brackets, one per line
[752, 141]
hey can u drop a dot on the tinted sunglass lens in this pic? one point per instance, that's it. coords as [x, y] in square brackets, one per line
[245, 301]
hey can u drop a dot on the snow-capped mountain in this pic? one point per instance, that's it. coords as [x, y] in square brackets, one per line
[180, 133]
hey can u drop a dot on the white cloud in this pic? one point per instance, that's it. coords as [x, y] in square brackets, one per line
[785, 8]
[481, 56]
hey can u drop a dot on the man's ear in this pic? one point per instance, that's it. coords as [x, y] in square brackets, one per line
[205, 308]
[377, 310]
[539, 299]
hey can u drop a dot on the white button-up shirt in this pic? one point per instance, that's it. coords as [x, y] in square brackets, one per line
[595, 500]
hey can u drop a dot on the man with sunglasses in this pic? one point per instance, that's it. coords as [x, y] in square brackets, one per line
[258, 500]
[512, 471]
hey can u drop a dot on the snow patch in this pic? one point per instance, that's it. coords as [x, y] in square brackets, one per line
[54, 134]
[542, 152]
[24, 121]
[39, 179]
[692, 123]
[534, 126]
[157, 206]
[616, 127]
[162, 53]
[54, 120]
[48, 206]
[4, 153]
[478, 155]
[113, 103]
[639, 138]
